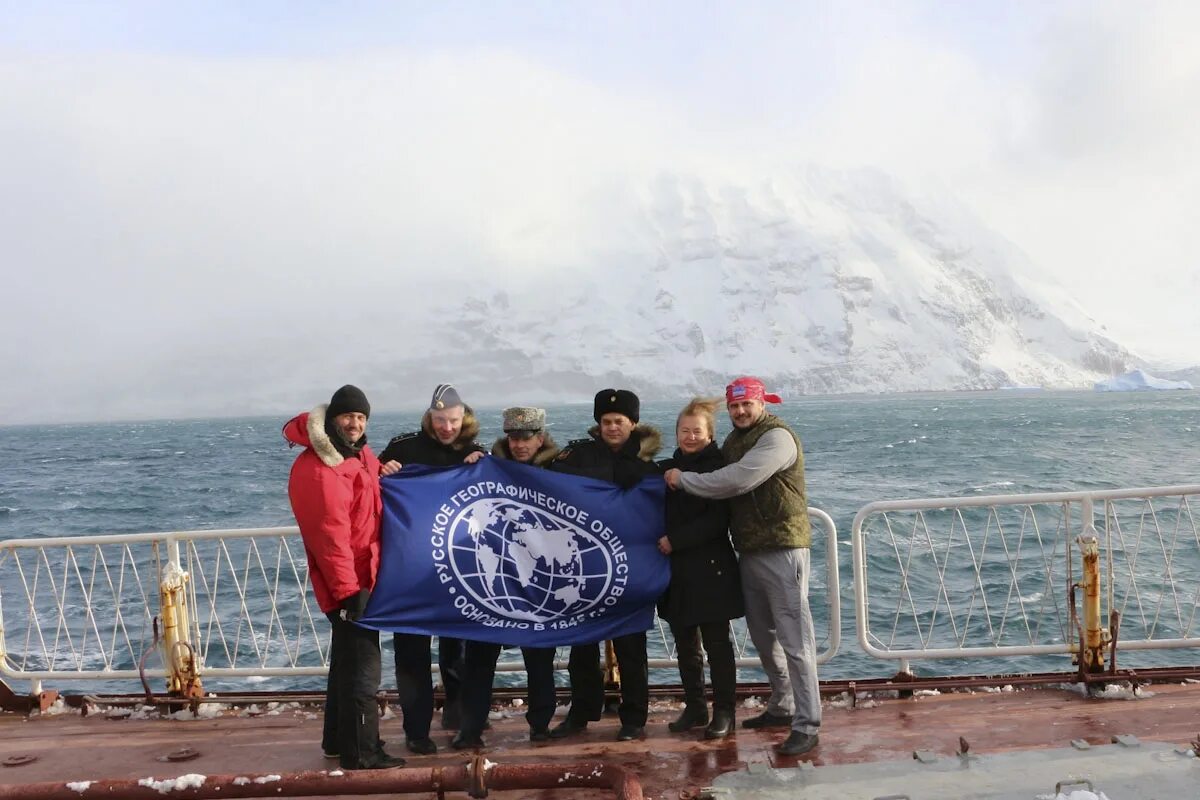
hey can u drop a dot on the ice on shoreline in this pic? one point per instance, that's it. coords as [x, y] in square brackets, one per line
[1139, 381]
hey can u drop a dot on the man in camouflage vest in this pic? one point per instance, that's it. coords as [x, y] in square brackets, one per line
[764, 480]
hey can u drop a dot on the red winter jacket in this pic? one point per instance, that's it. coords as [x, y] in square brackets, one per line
[337, 506]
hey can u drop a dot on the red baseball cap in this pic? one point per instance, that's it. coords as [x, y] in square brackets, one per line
[749, 388]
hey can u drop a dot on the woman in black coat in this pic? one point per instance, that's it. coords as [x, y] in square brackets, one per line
[705, 592]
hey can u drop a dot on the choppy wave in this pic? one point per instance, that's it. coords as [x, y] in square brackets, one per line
[993, 485]
[177, 475]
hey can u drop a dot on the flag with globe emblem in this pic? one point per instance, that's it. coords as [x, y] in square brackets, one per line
[501, 552]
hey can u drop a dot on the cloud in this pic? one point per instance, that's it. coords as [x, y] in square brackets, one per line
[154, 198]
[191, 202]
[1080, 149]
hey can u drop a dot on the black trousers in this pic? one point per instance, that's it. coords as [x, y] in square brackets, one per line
[351, 726]
[721, 663]
[587, 680]
[414, 682]
[479, 674]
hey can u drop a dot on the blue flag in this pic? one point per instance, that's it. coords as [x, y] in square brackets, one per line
[502, 552]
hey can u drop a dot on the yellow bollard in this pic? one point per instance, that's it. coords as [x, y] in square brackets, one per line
[183, 673]
[612, 673]
[1095, 637]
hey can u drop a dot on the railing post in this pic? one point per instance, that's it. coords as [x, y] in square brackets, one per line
[1094, 638]
[3, 645]
[179, 656]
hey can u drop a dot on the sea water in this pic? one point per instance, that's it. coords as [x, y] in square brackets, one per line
[163, 475]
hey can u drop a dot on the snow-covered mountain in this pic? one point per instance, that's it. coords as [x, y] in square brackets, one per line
[819, 281]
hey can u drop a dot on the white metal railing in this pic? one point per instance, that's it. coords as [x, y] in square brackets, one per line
[933, 578]
[824, 597]
[84, 607]
[957, 577]
[1153, 569]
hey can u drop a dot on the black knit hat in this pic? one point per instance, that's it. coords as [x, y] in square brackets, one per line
[347, 399]
[616, 401]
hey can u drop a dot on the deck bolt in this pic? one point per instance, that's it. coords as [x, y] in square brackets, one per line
[182, 754]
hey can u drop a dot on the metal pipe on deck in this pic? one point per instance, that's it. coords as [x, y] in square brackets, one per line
[476, 778]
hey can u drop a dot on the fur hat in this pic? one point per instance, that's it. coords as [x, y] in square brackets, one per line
[346, 400]
[445, 396]
[524, 422]
[616, 401]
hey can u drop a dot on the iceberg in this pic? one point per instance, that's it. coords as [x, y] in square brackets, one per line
[1139, 381]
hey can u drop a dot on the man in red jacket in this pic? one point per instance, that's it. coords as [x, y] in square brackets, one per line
[334, 490]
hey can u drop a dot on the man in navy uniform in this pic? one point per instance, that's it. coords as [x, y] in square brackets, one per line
[620, 451]
[446, 438]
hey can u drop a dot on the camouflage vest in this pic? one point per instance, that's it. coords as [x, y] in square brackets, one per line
[775, 515]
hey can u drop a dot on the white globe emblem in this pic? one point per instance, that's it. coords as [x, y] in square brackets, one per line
[523, 562]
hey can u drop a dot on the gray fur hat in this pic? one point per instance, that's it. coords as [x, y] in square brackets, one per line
[524, 421]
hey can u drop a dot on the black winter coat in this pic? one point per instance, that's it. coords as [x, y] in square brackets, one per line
[592, 458]
[705, 583]
[423, 447]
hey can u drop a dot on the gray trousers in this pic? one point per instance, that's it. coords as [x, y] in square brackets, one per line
[775, 585]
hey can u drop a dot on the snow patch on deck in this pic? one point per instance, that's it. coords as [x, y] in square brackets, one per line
[190, 781]
[1112, 691]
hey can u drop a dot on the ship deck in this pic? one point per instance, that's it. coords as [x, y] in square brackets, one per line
[286, 739]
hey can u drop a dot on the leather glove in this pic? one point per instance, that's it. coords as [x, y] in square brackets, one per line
[354, 605]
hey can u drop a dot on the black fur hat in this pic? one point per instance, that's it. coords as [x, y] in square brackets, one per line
[616, 401]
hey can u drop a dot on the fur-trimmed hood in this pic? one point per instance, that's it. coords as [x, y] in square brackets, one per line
[308, 430]
[470, 428]
[545, 454]
[649, 440]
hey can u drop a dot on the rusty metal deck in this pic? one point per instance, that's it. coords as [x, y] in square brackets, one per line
[71, 747]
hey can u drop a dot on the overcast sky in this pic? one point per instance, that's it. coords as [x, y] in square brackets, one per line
[186, 175]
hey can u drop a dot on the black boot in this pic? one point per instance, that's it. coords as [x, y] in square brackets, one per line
[798, 743]
[568, 727]
[467, 741]
[721, 725]
[693, 716]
